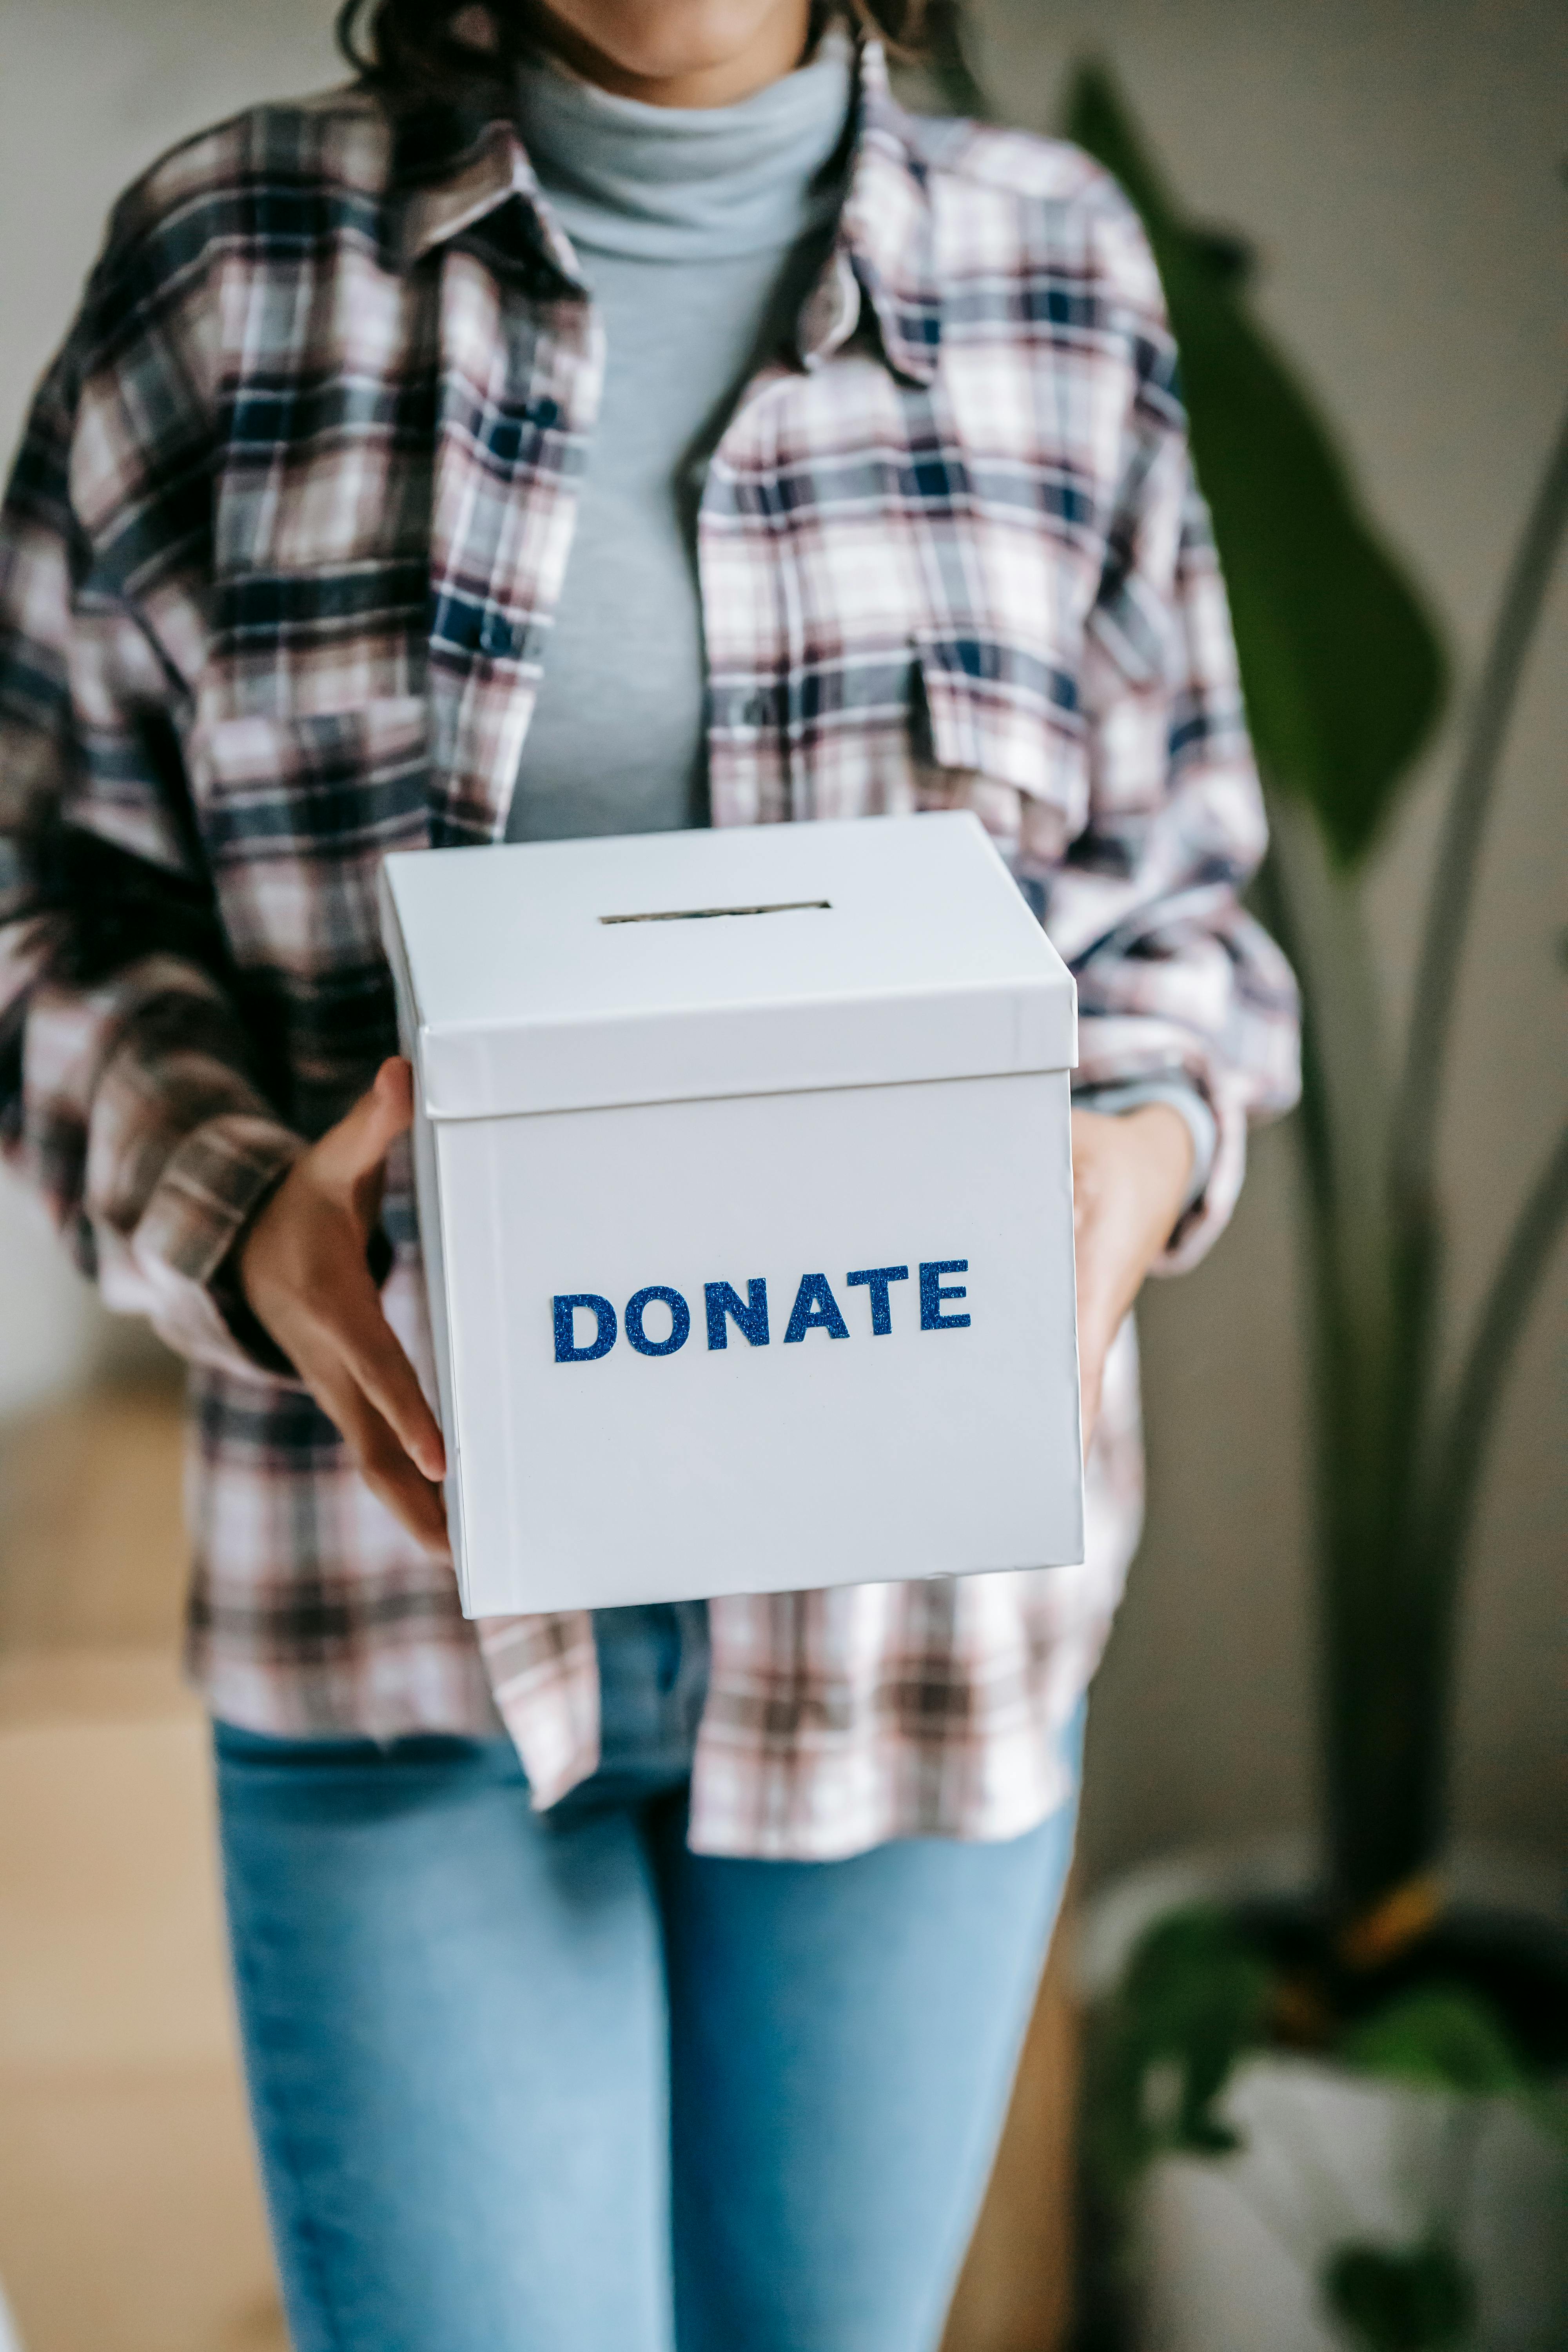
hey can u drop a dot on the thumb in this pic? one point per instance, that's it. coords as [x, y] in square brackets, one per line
[356, 1147]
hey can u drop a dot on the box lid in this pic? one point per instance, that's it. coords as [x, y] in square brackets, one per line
[572, 976]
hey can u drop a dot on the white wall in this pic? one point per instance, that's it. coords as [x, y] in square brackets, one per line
[1399, 167]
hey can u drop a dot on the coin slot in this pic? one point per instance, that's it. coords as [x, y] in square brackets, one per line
[713, 914]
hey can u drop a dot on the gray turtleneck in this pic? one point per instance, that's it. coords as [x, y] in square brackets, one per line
[700, 231]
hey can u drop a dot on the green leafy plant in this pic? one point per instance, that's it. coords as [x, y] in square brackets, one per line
[1446, 2037]
[1444, 2040]
[1420, 2299]
[1438, 2038]
[1343, 678]
[1193, 1998]
[1197, 1997]
[1198, 1993]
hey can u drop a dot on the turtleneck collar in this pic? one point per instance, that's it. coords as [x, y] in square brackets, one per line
[692, 184]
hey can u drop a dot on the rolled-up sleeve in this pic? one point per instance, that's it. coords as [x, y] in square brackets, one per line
[1174, 977]
[130, 1095]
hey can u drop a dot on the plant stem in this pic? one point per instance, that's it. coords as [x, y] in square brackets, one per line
[1452, 1483]
[1371, 1738]
[1436, 1477]
[1478, 1392]
[1458, 855]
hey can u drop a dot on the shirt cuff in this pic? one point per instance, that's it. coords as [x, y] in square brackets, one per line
[1183, 1097]
[214, 1183]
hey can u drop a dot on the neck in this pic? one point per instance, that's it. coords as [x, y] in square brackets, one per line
[668, 62]
[663, 184]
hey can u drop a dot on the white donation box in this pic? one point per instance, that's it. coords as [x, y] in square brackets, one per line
[745, 1193]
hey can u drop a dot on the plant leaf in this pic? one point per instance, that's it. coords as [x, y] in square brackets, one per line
[1194, 1997]
[1341, 666]
[1443, 2038]
[1419, 2300]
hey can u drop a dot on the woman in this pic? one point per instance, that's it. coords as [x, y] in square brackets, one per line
[605, 416]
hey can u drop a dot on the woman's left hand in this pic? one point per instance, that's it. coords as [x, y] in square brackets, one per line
[1130, 1172]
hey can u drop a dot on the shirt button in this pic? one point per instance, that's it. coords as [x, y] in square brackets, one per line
[545, 414]
[499, 640]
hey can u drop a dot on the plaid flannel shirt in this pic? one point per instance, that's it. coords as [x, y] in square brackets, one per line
[276, 573]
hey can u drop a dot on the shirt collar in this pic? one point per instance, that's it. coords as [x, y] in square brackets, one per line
[452, 170]
[886, 246]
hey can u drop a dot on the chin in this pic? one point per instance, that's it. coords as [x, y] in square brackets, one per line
[667, 40]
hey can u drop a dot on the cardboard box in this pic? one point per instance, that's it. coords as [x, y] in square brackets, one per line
[744, 1181]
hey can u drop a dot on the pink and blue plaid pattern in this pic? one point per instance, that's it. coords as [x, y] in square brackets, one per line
[276, 572]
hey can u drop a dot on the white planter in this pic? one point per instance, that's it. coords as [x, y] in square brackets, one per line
[1230, 2251]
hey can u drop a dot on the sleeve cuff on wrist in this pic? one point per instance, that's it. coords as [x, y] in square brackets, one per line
[213, 1184]
[1182, 1098]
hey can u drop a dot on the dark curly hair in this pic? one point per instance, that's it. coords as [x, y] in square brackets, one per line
[412, 50]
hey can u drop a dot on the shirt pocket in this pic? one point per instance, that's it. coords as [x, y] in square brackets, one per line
[296, 815]
[999, 728]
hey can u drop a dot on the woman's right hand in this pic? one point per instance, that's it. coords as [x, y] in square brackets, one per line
[304, 1273]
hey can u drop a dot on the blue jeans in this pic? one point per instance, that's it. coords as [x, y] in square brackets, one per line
[557, 2085]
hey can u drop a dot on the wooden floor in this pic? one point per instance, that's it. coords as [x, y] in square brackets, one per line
[128, 2215]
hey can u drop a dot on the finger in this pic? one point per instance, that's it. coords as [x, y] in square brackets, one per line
[374, 1359]
[333, 1319]
[413, 1500]
[382, 1463]
[356, 1147]
[1090, 1381]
